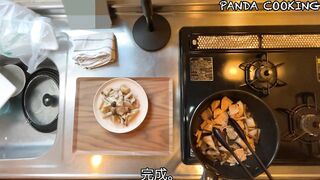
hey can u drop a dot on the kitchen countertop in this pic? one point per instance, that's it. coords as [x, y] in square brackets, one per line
[132, 61]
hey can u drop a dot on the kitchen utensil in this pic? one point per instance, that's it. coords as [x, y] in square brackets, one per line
[7, 89]
[137, 91]
[239, 131]
[15, 75]
[266, 148]
[151, 31]
[152, 137]
[221, 140]
[41, 100]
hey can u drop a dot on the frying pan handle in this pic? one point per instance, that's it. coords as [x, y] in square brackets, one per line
[208, 175]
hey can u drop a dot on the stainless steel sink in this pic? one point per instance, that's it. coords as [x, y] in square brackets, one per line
[18, 139]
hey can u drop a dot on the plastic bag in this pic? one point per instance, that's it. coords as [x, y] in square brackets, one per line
[25, 35]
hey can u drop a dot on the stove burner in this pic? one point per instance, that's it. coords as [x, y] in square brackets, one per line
[261, 75]
[303, 120]
[310, 123]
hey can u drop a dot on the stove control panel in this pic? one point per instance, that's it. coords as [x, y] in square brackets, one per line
[201, 69]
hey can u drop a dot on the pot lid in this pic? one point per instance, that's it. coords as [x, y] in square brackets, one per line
[41, 100]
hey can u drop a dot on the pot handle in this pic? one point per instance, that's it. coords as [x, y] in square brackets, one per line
[208, 175]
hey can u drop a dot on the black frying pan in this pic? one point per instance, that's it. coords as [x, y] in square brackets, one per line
[266, 148]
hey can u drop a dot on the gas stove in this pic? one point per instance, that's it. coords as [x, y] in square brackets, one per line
[281, 65]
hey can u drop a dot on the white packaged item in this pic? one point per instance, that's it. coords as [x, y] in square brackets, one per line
[7, 89]
[15, 75]
[25, 35]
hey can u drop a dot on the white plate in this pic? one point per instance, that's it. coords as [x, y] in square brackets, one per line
[137, 91]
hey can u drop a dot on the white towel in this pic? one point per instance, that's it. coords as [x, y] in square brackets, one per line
[94, 50]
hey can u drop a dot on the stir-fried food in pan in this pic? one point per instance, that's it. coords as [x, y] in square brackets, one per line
[119, 105]
[217, 116]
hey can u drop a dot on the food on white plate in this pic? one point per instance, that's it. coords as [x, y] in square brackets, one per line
[217, 115]
[119, 105]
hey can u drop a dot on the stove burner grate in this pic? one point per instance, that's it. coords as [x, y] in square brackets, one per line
[261, 75]
[303, 120]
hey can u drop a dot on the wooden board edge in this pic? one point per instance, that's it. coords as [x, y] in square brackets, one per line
[171, 98]
[133, 78]
[75, 119]
[124, 153]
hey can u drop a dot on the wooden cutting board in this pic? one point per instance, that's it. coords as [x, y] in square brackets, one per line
[152, 137]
